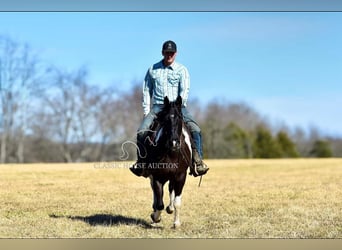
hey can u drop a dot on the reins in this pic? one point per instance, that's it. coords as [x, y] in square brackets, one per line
[199, 184]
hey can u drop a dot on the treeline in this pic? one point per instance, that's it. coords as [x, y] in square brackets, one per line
[231, 140]
[49, 114]
[236, 130]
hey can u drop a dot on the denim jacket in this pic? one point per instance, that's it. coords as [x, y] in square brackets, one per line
[161, 81]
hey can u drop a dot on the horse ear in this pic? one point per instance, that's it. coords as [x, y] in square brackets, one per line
[166, 101]
[179, 101]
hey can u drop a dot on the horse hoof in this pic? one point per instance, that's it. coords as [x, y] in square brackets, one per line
[169, 210]
[176, 225]
[154, 220]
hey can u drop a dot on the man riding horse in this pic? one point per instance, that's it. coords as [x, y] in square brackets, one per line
[171, 79]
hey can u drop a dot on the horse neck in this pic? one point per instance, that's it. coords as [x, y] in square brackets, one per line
[186, 129]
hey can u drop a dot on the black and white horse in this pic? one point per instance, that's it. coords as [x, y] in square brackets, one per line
[169, 154]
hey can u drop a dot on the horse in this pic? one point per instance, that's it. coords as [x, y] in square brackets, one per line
[169, 154]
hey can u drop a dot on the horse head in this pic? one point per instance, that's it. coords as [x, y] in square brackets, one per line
[173, 123]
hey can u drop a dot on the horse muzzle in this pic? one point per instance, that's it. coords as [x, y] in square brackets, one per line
[175, 145]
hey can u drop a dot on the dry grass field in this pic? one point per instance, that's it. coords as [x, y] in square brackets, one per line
[299, 198]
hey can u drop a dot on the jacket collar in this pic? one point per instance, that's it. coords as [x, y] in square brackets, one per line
[171, 66]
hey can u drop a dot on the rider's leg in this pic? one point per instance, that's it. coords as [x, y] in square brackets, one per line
[145, 125]
[199, 167]
[137, 168]
[197, 137]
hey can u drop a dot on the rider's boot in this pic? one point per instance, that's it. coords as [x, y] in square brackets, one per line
[138, 168]
[198, 166]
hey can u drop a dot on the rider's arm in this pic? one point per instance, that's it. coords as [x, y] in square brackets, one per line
[184, 85]
[147, 93]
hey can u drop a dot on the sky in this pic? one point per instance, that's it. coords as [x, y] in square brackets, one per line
[287, 65]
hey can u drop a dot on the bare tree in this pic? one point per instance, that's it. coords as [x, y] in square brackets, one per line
[61, 109]
[119, 119]
[79, 116]
[20, 72]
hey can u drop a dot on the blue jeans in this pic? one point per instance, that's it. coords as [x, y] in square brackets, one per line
[188, 119]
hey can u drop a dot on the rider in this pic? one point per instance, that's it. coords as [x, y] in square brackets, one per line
[169, 78]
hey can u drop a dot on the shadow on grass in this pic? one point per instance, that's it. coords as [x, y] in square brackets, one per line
[107, 220]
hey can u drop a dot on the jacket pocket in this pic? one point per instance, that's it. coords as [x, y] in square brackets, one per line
[173, 79]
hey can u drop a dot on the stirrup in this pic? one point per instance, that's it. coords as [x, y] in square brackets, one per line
[199, 169]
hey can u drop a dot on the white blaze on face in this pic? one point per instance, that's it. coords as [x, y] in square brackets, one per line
[187, 140]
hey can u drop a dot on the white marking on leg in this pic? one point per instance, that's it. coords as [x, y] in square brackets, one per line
[172, 199]
[187, 141]
[177, 205]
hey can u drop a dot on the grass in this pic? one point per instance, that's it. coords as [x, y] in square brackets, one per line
[300, 198]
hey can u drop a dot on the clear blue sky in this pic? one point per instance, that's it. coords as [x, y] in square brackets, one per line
[288, 65]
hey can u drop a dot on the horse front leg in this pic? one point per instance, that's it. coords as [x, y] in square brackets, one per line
[177, 205]
[178, 188]
[158, 204]
[170, 208]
